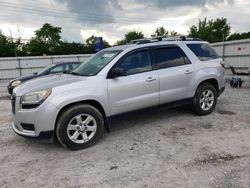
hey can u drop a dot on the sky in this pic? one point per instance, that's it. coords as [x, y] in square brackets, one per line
[111, 19]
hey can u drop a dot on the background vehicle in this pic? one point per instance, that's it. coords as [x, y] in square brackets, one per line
[51, 69]
[76, 107]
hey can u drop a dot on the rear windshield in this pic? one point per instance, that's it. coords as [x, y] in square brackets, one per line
[203, 51]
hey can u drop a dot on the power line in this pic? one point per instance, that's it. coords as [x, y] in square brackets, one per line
[88, 17]
[59, 11]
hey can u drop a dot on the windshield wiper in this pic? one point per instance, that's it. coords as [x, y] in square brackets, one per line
[77, 74]
[74, 73]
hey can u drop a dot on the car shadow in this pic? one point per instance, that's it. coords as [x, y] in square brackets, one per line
[145, 116]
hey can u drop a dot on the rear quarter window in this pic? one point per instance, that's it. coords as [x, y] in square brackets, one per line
[203, 51]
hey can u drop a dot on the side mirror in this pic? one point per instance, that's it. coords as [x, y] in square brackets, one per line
[116, 72]
[35, 73]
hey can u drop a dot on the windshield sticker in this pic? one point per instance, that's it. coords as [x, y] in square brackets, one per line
[108, 55]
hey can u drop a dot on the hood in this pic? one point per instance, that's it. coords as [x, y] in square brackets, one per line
[24, 78]
[46, 82]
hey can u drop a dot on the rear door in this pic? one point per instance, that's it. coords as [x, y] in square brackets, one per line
[175, 73]
[139, 88]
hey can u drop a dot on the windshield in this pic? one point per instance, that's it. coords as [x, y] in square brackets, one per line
[45, 70]
[95, 64]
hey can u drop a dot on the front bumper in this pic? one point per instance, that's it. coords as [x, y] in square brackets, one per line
[46, 135]
[221, 91]
[10, 89]
[42, 119]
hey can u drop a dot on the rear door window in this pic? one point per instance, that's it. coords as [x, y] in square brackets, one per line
[167, 57]
[203, 51]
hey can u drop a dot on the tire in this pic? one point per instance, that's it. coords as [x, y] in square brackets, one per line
[202, 102]
[79, 127]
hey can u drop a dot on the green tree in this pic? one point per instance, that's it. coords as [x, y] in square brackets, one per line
[20, 49]
[132, 35]
[239, 36]
[70, 48]
[90, 44]
[174, 33]
[211, 30]
[46, 41]
[161, 31]
[8, 48]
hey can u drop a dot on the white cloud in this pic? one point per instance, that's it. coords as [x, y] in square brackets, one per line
[111, 19]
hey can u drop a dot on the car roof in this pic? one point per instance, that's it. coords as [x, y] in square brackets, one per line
[119, 47]
[148, 43]
[67, 62]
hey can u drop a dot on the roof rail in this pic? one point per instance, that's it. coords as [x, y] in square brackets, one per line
[141, 41]
[164, 38]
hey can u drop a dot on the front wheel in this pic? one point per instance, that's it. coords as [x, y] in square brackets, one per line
[205, 99]
[79, 127]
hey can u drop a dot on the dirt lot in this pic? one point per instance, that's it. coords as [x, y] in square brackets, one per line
[153, 148]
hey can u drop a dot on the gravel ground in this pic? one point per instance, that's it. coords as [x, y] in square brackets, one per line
[152, 148]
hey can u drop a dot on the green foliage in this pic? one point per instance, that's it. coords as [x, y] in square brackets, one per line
[211, 30]
[46, 41]
[161, 31]
[70, 48]
[239, 36]
[132, 35]
[90, 44]
[8, 48]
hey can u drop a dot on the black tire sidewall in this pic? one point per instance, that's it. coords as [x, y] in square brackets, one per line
[196, 102]
[64, 119]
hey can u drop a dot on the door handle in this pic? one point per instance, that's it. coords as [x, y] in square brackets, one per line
[150, 79]
[188, 72]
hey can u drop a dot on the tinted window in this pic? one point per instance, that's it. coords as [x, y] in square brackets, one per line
[136, 62]
[46, 70]
[170, 57]
[203, 51]
[59, 68]
[74, 66]
[71, 67]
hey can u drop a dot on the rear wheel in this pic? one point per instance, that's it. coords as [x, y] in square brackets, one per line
[205, 99]
[79, 127]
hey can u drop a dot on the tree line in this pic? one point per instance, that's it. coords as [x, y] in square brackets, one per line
[47, 39]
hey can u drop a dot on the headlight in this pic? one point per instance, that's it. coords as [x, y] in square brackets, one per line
[16, 83]
[35, 98]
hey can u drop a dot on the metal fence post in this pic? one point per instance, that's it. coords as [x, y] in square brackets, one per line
[223, 50]
[19, 66]
[52, 60]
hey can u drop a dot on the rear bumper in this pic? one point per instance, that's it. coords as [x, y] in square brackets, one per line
[221, 91]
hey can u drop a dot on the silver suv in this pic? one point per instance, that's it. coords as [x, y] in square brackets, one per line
[76, 107]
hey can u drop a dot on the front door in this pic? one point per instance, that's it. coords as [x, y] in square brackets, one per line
[139, 88]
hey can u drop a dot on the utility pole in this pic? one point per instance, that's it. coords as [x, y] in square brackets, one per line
[11, 38]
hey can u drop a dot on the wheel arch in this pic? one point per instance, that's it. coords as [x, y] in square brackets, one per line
[214, 82]
[93, 103]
